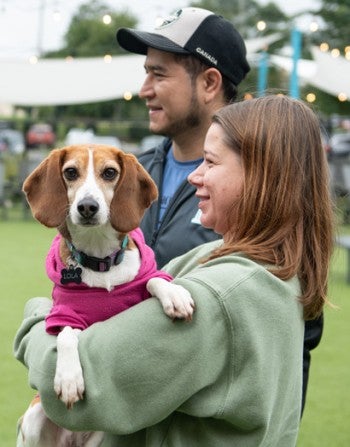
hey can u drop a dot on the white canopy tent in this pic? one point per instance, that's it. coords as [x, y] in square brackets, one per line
[325, 72]
[306, 68]
[332, 73]
[79, 81]
[72, 81]
[88, 80]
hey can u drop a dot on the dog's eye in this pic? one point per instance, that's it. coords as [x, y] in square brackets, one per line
[109, 174]
[71, 173]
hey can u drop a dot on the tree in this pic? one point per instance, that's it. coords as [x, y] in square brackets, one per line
[335, 31]
[336, 18]
[245, 14]
[88, 36]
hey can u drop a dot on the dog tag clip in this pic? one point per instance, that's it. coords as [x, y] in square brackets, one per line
[72, 274]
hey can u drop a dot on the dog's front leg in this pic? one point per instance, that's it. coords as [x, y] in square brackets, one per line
[175, 300]
[69, 381]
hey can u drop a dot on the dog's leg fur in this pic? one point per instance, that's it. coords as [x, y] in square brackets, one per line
[175, 300]
[38, 431]
[79, 439]
[69, 381]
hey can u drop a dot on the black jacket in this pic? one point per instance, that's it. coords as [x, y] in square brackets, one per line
[177, 235]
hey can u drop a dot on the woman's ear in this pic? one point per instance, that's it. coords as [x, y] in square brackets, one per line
[46, 191]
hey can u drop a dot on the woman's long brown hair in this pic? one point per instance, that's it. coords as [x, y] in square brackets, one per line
[285, 216]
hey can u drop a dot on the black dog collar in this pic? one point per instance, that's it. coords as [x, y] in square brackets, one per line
[98, 264]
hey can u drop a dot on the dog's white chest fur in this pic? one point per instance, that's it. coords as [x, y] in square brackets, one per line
[118, 274]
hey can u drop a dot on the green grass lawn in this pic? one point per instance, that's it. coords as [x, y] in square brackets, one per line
[327, 413]
[24, 245]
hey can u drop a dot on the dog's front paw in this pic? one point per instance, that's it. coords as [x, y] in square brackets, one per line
[69, 386]
[69, 381]
[176, 301]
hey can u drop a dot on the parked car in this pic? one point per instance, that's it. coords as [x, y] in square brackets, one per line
[110, 140]
[78, 136]
[83, 136]
[40, 134]
[11, 141]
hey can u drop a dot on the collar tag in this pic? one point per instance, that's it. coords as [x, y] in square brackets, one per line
[72, 274]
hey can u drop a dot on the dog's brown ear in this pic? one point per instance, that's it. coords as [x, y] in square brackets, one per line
[46, 191]
[134, 193]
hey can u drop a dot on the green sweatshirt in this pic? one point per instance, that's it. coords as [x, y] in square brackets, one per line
[231, 377]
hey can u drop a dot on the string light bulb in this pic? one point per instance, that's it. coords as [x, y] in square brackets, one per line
[324, 47]
[311, 97]
[313, 26]
[127, 96]
[107, 19]
[261, 25]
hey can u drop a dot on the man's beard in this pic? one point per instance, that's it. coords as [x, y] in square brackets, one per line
[188, 122]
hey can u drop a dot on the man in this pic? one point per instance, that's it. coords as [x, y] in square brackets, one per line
[194, 62]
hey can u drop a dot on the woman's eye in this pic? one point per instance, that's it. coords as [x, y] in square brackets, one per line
[71, 174]
[109, 174]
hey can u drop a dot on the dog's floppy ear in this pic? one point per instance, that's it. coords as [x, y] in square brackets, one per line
[134, 193]
[46, 192]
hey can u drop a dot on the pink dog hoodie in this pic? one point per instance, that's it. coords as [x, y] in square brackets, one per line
[79, 306]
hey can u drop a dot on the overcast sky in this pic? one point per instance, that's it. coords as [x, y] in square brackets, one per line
[21, 36]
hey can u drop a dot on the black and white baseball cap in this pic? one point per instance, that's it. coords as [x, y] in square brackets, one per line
[195, 31]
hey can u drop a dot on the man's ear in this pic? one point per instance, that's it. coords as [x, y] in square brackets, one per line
[211, 82]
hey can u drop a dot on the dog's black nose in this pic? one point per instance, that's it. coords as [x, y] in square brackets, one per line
[87, 208]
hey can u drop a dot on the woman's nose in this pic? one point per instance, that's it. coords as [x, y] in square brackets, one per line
[196, 176]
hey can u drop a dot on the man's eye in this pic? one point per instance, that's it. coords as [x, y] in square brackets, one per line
[71, 174]
[109, 174]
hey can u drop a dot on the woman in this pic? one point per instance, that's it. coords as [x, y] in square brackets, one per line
[231, 377]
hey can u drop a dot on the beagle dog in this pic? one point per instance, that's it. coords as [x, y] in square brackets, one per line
[95, 195]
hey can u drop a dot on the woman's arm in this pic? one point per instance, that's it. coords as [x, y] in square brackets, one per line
[138, 366]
